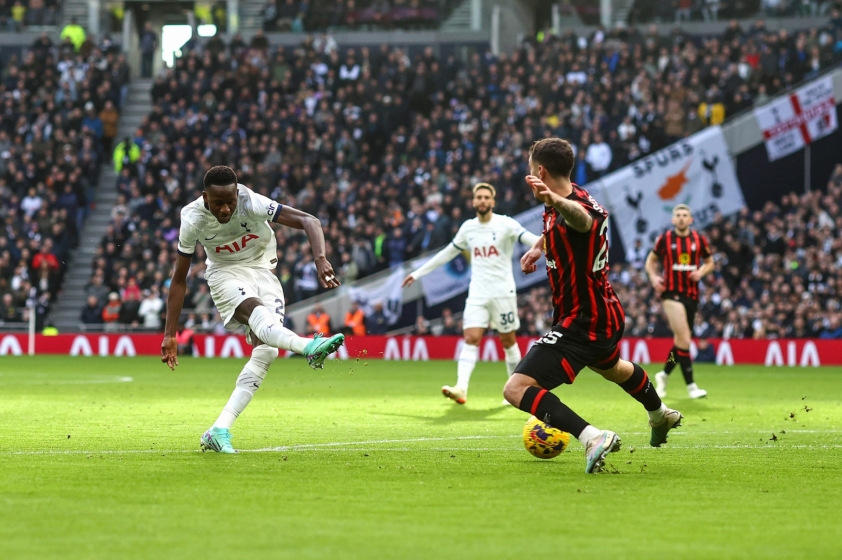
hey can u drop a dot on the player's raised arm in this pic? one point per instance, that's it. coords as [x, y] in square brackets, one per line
[442, 257]
[296, 219]
[175, 301]
[528, 260]
[573, 213]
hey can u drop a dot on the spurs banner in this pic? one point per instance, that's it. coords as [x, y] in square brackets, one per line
[696, 171]
[453, 278]
[791, 122]
[388, 293]
[779, 352]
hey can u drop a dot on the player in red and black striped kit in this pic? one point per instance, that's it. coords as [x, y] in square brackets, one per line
[588, 318]
[684, 255]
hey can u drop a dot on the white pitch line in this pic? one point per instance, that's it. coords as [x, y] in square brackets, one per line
[306, 446]
[355, 446]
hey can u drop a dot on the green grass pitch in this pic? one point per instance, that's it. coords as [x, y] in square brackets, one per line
[368, 460]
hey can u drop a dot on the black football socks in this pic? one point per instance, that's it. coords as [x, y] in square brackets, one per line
[641, 389]
[548, 408]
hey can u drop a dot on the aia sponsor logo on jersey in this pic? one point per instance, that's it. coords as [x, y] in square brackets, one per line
[486, 252]
[235, 247]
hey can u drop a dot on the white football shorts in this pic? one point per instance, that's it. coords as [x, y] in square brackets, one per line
[499, 313]
[232, 285]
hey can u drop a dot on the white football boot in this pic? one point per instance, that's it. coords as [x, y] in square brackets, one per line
[455, 393]
[695, 393]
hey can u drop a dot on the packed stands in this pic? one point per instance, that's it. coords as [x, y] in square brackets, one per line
[19, 15]
[712, 10]
[299, 16]
[383, 145]
[55, 101]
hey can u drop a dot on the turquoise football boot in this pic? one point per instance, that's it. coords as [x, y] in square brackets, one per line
[318, 349]
[217, 439]
[597, 448]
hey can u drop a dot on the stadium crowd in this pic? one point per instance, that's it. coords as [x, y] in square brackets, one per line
[306, 15]
[59, 106]
[712, 10]
[383, 147]
[18, 15]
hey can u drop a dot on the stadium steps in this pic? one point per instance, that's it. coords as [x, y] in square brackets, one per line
[250, 17]
[66, 310]
[622, 9]
[460, 19]
[77, 9]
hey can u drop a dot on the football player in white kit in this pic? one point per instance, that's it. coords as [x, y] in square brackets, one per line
[232, 222]
[492, 297]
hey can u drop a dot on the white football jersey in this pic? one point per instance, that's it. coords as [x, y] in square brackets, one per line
[490, 246]
[246, 240]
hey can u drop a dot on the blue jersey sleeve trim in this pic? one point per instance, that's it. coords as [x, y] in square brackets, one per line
[183, 254]
[457, 246]
[277, 214]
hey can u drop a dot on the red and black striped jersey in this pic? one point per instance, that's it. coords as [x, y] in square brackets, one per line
[577, 267]
[680, 256]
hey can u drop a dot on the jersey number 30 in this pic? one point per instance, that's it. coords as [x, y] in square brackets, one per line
[602, 257]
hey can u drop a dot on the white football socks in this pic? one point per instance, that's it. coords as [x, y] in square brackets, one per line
[248, 383]
[513, 358]
[588, 434]
[657, 416]
[268, 328]
[467, 361]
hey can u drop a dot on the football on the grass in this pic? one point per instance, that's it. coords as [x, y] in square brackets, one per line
[542, 440]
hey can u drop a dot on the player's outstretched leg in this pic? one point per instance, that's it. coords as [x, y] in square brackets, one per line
[513, 358]
[269, 330]
[464, 368]
[218, 437]
[520, 392]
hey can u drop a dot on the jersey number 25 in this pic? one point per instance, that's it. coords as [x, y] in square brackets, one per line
[602, 257]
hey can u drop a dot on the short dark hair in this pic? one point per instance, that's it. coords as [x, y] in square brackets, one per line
[553, 154]
[220, 176]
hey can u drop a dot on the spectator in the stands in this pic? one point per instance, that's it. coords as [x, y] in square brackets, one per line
[110, 118]
[151, 308]
[422, 326]
[9, 312]
[355, 320]
[148, 47]
[92, 312]
[111, 312]
[318, 321]
[73, 32]
[449, 325]
[377, 323]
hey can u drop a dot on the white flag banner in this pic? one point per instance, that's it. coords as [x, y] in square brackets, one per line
[696, 171]
[791, 122]
[446, 281]
[388, 293]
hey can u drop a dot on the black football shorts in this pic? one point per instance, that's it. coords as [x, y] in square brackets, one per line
[558, 356]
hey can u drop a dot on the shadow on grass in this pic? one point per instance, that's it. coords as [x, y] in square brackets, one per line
[456, 413]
